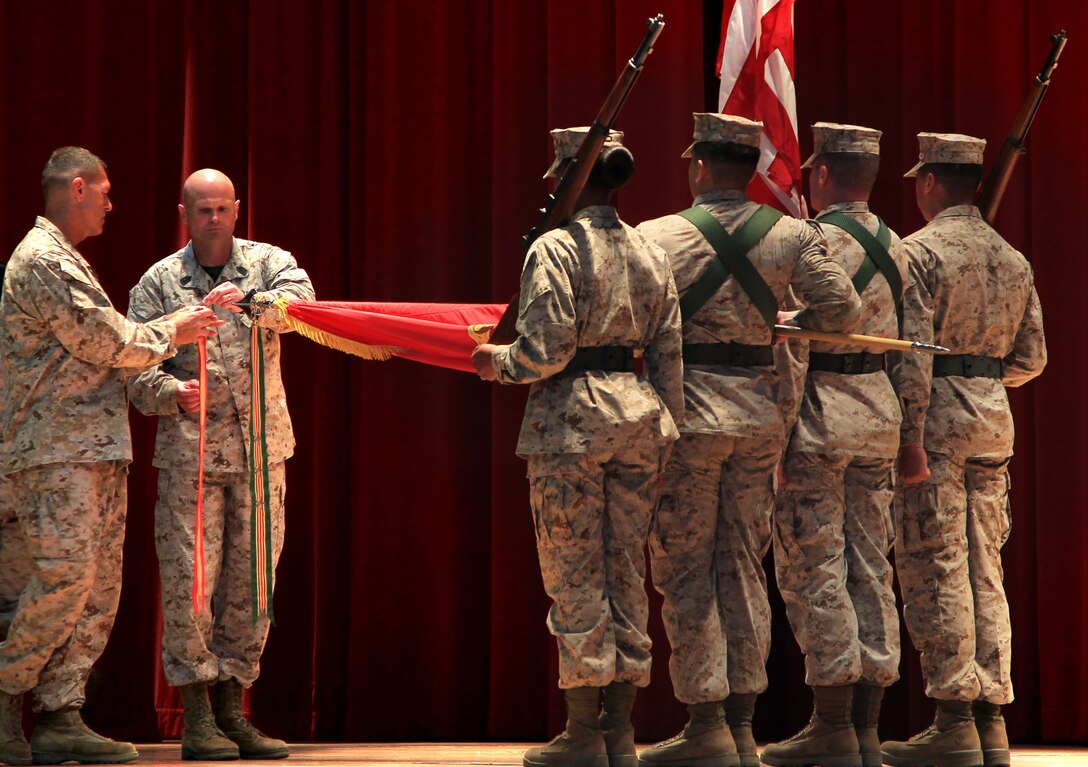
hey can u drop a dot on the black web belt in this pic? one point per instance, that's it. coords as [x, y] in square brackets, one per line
[968, 366]
[611, 359]
[737, 355]
[847, 364]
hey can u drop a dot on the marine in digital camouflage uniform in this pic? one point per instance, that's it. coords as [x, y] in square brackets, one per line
[595, 434]
[66, 448]
[833, 522]
[712, 525]
[971, 291]
[221, 645]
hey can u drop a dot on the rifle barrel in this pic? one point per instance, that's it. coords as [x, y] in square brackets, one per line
[993, 189]
[560, 204]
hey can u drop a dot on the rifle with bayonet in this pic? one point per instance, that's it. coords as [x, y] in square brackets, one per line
[994, 187]
[560, 205]
[877, 343]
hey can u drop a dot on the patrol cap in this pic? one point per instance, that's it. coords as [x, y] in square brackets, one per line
[712, 126]
[954, 148]
[834, 138]
[567, 141]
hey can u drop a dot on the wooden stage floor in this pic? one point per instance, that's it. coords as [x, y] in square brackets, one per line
[429, 754]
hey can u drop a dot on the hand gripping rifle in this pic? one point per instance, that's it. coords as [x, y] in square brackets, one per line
[994, 187]
[560, 205]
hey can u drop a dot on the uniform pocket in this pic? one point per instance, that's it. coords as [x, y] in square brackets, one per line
[919, 521]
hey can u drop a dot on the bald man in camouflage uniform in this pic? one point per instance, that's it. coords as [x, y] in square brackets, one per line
[221, 645]
[66, 449]
[712, 525]
[595, 435]
[971, 291]
[833, 523]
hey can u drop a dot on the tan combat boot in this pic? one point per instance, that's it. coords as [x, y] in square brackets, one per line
[252, 743]
[61, 736]
[581, 744]
[865, 713]
[201, 740]
[619, 734]
[951, 741]
[13, 746]
[704, 742]
[827, 740]
[991, 734]
[740, 707]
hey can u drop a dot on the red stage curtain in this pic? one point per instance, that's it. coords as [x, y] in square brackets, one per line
[396, 149]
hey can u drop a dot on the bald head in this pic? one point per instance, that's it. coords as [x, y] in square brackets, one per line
[209, 210]
[206, 183]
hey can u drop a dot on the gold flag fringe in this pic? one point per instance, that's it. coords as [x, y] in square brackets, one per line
[366, 351]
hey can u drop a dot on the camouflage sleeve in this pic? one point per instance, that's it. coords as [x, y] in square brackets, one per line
[79, 313]
[664, 368]
[831, 303]
[1028, 356]
[791, 365]
[153, 391]
[284, 279]
[912, 374]
[547, 322]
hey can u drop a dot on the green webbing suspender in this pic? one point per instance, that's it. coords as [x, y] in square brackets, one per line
[732, 250]
[877, 258]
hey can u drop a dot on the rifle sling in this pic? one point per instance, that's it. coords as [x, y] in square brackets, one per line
[732, 251]
[876, 259]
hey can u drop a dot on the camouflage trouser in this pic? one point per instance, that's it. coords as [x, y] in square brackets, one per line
[15, 564]
[592, 511]
[222, 641]
[711, 530]
[832, 533]
[949, 534]
[73, 520]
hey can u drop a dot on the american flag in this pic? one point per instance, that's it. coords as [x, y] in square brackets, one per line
[755, 63]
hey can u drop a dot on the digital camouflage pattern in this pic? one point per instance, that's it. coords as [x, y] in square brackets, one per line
[66, 353]
[710, 532]
[729, 129]
[836, 138]
[832, 534]
[590, 542]
[568, 141]
[179, 281]
[949, 533]
[15, 564]
[833, 527]
[595, 282]
[854, 414]
[947, 148]
[971, 291]
[73, 520]
[742, 402]
[595, 441]
[197, 647]
[222, 643]
[719, 481]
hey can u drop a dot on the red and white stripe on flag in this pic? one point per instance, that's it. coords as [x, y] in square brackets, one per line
[755, 63]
